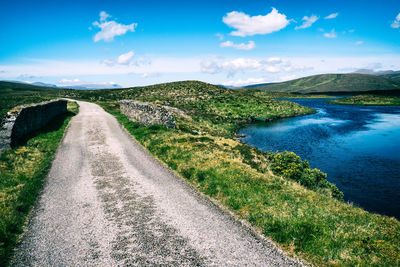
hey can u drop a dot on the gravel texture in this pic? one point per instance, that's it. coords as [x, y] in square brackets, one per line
[107, 202]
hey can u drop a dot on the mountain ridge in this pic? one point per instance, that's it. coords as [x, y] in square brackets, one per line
[332, 83]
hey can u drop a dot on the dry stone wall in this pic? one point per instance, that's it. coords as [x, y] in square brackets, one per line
[147, 113]
[22, 121]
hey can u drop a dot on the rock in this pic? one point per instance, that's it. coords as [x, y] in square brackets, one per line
[147, 113]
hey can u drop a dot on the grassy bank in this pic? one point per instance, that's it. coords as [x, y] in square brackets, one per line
[22, 173]
[277, 193]
[368, 100]
[307, 223]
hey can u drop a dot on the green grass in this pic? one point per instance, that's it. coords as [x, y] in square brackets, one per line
[310, 224]
[351, 82]
[368, 100]
[277, 193]
[22, 173]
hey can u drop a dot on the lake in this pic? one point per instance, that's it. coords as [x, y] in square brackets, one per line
[357, 146]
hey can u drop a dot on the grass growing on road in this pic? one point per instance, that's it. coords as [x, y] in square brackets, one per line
[368, 100]
[22, 173]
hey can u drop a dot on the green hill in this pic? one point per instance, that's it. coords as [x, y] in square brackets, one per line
[13, 94]
[395, 76]
[323, 83]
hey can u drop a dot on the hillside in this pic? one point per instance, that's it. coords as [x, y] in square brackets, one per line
[394, 75]
[15, 86]
[323, 83]
[13, 94]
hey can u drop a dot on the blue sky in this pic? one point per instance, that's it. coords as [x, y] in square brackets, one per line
[224, 42]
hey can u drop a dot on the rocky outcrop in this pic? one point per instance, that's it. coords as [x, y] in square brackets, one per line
[148, 113]
[22, 121]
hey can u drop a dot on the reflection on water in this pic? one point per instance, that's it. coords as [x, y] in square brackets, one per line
[358, 147]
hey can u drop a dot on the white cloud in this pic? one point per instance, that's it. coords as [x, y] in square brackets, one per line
[331, 34]
[104, 16]
[273, 60]
[110, 29]
[179, 68]
[125, 59]
[242, 46]
[239, 82]
[332, 16]
[359, 42]
[246, 25]
[108, 62]
[231, 67]
[308, 21]
[396, 22]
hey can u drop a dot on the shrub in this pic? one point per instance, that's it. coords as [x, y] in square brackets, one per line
[291, 166]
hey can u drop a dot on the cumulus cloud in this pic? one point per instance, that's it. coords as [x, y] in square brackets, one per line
[242, 46]
[332, 16]
[246, 25]
[359, 43]
[110, 29]
[125, 59]
[104, 16]
[331, 34]
[233, 66]
[239, 82]
[307, 22]
[396, 22]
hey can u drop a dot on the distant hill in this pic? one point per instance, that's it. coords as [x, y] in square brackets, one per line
[323, 83]
[394, 75]
[17, 86]
[92, 86]
[44, 84]
[390, 74]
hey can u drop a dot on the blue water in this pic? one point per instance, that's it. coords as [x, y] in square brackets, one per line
[357, 146]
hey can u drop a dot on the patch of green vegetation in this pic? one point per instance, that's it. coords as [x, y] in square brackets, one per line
[277, 193]
[368, 100]
[216, 110]
[22, 173]
[351, 82]
[289, 165]
[281, 95]
[291, 204]
[15, 94]
[306, 223]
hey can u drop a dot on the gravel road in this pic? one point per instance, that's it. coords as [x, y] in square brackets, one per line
[107, 202]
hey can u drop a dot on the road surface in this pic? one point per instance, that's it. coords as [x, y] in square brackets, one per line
[107, 202]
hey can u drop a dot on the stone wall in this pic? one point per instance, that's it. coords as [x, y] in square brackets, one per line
[22, 121]
[147, 113]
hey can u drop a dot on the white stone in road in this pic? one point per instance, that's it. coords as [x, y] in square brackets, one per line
[107, 202]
